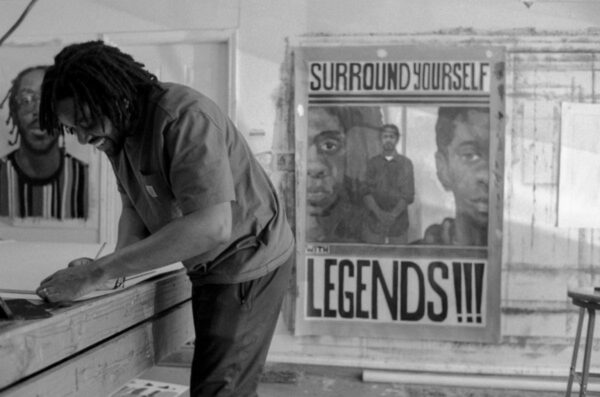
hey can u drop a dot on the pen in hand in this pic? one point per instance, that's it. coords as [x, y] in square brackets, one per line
[100, 250]
[119, 281]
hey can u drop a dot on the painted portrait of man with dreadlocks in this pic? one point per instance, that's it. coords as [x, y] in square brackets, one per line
[38, 178]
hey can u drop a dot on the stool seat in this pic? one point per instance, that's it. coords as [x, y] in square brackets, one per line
[585, 295]
[587, 299]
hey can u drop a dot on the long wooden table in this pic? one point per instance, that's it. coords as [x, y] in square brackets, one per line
[94, 346]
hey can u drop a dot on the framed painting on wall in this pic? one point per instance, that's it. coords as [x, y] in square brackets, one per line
[49, 183]
[399, 160]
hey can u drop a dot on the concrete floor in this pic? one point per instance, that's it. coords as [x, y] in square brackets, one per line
[293, 380]
[286, 380]
[346, 382]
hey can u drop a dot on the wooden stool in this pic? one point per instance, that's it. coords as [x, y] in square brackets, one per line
[587, 299]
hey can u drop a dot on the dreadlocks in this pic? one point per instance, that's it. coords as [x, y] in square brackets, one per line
[107, 80]
[13, 107]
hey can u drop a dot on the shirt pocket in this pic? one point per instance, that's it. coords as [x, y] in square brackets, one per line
[156, 187]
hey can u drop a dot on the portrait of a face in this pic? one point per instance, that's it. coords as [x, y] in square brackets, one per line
[28, 98]
[326, 153]
[100, 133]
[41, 179]
[389, 140]
[464, 167]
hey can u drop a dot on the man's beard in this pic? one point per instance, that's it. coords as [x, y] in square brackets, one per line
[389, 147]
[114, 146]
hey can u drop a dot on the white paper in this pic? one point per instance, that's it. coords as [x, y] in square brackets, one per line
[23, 265]
[579, 178]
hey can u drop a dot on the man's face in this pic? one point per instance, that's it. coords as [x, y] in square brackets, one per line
[325, 160]
[101, 133]
[465, 168]
[389, 140]
[28, 102]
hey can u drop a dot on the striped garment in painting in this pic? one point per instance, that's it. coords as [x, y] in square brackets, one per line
[63, 195]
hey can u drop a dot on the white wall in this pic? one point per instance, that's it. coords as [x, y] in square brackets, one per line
[538, 260]
[265, 26]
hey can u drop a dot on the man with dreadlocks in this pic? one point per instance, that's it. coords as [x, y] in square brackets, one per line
[192, 192]
[38, 179]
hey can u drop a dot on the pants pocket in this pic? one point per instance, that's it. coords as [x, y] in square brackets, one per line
[246, 295]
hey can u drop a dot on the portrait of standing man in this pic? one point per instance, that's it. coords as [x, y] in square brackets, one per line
[389, 189]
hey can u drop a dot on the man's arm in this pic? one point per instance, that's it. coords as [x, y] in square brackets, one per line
[368, 187]
[407, 190]
[370, 203]
[183, 238]
[131, 227]
[399, 208]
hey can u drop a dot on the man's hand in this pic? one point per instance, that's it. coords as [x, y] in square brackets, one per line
[80, 278]
[448, 231]
[110, 284]
[440, 233]
[80, 261]
[386, 218]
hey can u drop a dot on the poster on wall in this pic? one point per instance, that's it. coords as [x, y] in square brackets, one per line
[48, 182]
[399, 158]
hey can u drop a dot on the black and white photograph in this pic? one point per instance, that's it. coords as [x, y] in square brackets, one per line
[241, 198]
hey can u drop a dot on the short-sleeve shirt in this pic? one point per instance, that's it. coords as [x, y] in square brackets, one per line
[388, 181]
[184, 155]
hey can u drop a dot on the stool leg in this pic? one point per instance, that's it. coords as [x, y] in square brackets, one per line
[588, 352]
[575, 351]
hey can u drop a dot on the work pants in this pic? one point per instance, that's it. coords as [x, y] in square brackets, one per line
[234, 325]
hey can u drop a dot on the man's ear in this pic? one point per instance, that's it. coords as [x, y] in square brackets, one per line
[441, 165]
